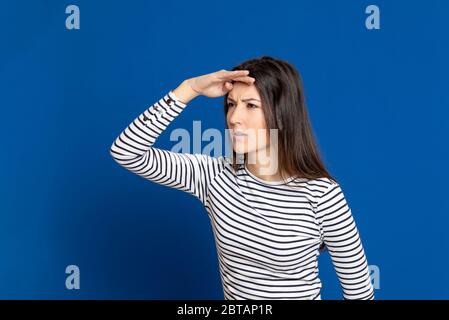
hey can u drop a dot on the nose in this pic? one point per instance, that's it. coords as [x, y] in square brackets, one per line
[237, 115]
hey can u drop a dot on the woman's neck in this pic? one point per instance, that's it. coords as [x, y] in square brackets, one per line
[255, 170]
[263, 166]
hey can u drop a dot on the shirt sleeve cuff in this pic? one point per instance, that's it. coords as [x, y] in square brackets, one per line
[175, 98]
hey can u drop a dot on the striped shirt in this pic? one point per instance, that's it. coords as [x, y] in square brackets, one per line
[267, 234]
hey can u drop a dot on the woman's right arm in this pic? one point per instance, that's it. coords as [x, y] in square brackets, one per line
[133, 148]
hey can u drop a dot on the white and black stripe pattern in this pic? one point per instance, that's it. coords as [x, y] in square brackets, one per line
[133, 150]
[267, 234]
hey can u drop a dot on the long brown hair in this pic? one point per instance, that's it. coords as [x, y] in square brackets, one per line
[280, 87]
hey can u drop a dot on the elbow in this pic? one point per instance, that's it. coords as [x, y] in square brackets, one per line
[113, 153]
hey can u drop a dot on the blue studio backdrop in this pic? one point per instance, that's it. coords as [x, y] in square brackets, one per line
[377, 98]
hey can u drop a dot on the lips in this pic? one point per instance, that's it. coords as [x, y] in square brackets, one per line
[238, 133]
[238, 137]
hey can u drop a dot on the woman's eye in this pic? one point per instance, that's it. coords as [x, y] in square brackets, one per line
[250, 105]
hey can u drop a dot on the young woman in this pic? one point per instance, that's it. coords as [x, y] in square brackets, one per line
[269, 225]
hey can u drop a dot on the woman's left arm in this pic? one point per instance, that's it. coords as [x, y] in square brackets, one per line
[341, 237]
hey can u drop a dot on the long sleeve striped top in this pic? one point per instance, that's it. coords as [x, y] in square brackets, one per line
[267, 234]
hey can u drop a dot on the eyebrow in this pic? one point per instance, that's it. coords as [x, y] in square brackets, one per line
[249, 99]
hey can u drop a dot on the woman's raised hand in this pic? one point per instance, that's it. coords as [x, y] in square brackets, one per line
[218, 83]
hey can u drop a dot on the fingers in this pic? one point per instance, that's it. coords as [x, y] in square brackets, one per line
[247, 80]
[232, 74]
[237, 75]
[228, 86]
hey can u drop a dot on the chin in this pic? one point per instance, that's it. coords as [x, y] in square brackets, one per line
[240, 150]
[244, 150]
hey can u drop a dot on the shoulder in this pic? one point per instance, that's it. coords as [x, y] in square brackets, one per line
[323, 185]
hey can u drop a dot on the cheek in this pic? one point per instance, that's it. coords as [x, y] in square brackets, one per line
[253, 122]
[257, 120]
[261, 134]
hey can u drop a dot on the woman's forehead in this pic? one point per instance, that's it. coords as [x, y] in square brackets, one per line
[242, 91]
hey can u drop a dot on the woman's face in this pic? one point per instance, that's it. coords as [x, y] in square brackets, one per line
[245, 116]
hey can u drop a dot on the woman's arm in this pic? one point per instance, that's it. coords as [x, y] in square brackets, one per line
[341, 237]
[185, 92]
[133, 148]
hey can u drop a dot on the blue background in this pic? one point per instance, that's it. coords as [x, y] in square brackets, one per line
[378, 101]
